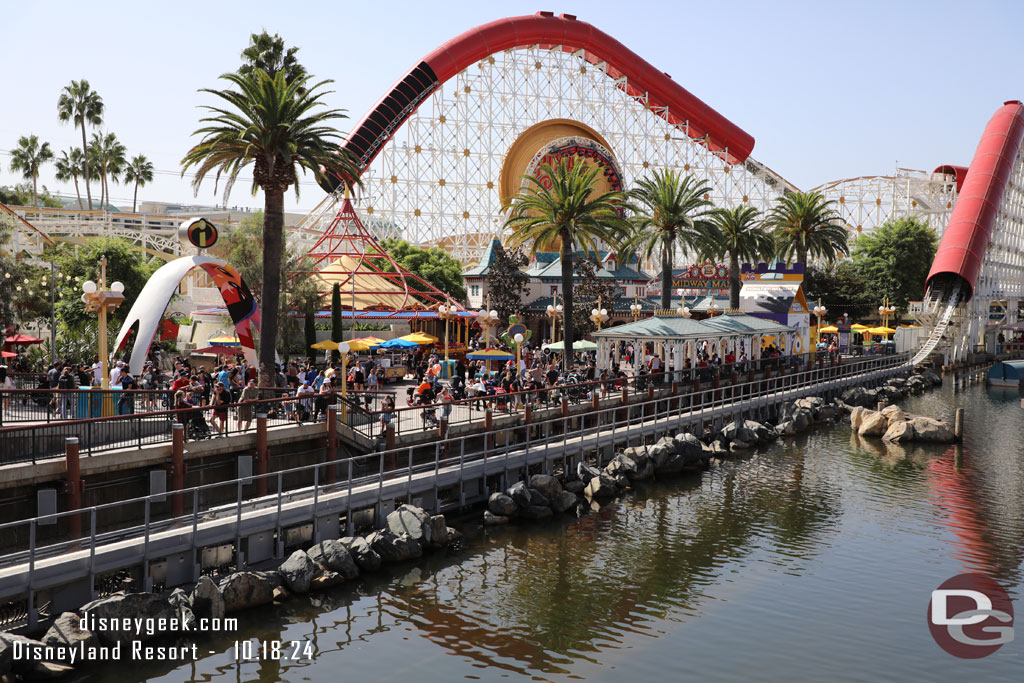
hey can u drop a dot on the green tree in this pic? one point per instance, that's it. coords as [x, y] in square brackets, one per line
[20, 283]
[27, 157]
[590, 292]
[806, 225]
[671, 211]
[840, 288]
[138, 172]
[81, 104]
[69, 167]
[893, 260]
[109, 157]
[432, 264]
[506, 281]
[735, 234]
[337, 326]
[567, 214]
[278, 128]
[77, 263]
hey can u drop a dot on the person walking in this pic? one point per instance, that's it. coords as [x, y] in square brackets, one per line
[220, 400]
[248, 397]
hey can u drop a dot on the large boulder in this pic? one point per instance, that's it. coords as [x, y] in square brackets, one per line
[636, 453]
[873, 423]
[538, 499]
[501, 504]
[119, 608]
[859, 396]
[673, 464]
[899, 432]
[22, 666]
[520, 493]
[335, 557]
[893, 414]
[438, 531]
[827, 413]
[932, 431]
[180, 602]
[576, 486]
[411, 520]
[689, 447]
[547, 485]
[621, 464]
[762, 434]
[366, 557]
[297, 572]
[661, 451]
[600, 488]
[738, 431]
[67, 631]
[491, 519]
[856, 417]
[242, 590]
[207, 601]
[718, 448]
[786, 428]
[566, 501]
[392, 548]
[802, 419]
[643, 472]
[585, 472]
[932, 378]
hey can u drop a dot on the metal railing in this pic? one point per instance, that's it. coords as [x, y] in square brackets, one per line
[154, 526]
[30, 443]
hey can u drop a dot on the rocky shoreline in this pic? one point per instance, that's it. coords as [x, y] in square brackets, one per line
[410, 532]
[544, 496]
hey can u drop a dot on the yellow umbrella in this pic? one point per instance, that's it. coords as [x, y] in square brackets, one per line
[224, 341]
[325, 345]
[858, 327]
[828, 329]
[420, 338]
[372, 341]
[359, 345]
[881, 330]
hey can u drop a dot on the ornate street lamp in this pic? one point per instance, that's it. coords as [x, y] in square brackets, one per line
[98, 299]
[487, 321]
[447, 313]
[599, 315]
[884, 311]
[635, 308]
[555, 312]
[713, 310]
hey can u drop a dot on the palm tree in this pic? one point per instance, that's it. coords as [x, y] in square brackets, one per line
[27, 157]
[270, 125]
[807, 225]
[109, 156]
[69, 167]
[81, 104]
[671, 211]
[568, 215]
[267, 53]
[736, 234]
[138, 171]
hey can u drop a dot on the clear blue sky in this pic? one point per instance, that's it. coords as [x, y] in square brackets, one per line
[828, 90]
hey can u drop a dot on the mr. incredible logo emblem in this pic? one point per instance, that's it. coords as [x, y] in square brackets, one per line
[199, 232]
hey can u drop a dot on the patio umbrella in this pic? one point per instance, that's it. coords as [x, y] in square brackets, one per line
[581, 345]
[360, 345]
[8, 354]
[325, 345]
[220, 350]
[881, 330]
[858, 328]
[420, 338]
[399, 344]
[829, 329]
[22, 340]
[490, 354]
[372, 341]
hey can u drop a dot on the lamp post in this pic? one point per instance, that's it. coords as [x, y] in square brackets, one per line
[99, 299]
[519, 345]
[713, 310]
[555, 312]
[635, 308]
[487, 320]
[447, 313]
[343, 348]
[884, 311]
[599, 315]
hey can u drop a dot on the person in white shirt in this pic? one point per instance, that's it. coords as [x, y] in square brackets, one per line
[115, 374]
[97, 372]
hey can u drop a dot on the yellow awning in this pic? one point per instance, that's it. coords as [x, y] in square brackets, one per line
[881, 330]
[420, 338]
[828, 329]
[326, 345]
[858, 327]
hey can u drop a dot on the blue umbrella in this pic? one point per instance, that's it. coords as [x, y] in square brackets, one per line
[399, 344]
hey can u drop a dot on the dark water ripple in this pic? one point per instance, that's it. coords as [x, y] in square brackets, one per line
[810, 560]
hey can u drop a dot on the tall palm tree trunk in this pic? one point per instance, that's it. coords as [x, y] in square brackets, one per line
[273, 246]
[35, 200]
[135, 196]
[734, 281]
[666, 277]
[801, 256]
[567, 282]
[85, 155]
[78, 192]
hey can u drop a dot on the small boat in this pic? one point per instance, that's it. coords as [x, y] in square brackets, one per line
[1006, 373]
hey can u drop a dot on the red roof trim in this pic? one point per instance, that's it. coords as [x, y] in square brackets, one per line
[963, 245]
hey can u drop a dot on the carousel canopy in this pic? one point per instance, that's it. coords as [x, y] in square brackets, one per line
[678, 327]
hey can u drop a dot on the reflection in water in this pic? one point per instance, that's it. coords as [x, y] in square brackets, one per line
[767, 555]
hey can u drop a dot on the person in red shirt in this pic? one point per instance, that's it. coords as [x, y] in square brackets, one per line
[180, 382]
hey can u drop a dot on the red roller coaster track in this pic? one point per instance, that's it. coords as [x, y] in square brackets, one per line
[546, 30]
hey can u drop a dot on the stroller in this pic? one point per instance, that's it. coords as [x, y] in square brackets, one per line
[196, 428]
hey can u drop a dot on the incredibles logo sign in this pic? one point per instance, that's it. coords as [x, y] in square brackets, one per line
[198, 232]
